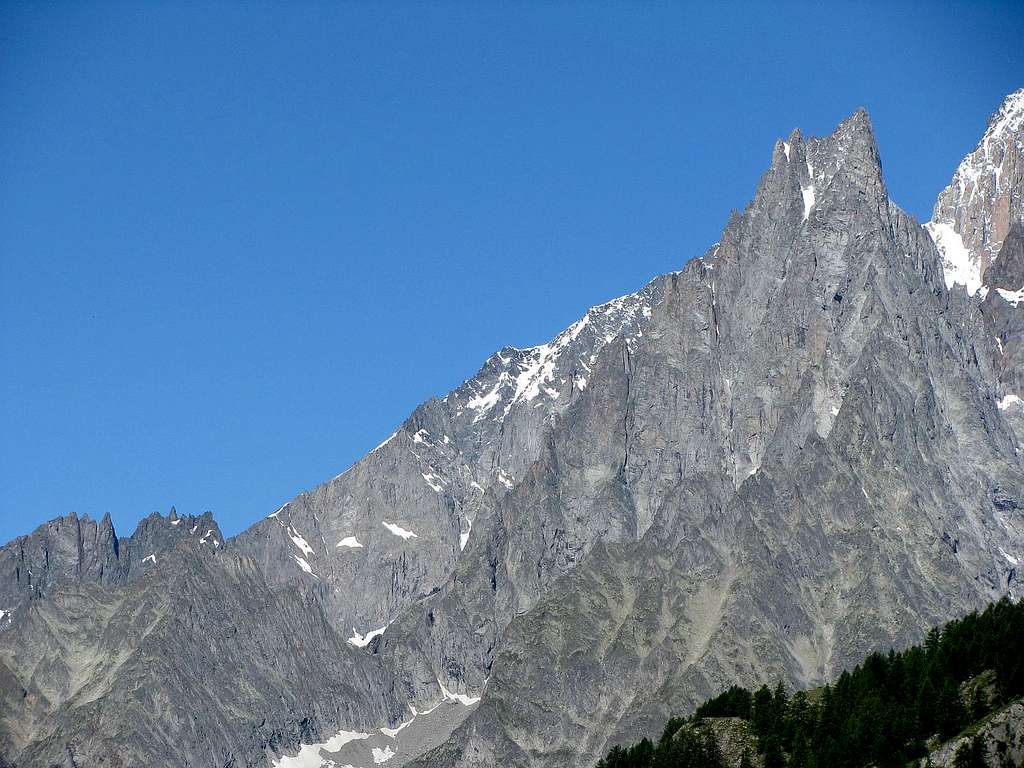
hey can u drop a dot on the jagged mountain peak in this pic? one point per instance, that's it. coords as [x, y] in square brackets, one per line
[984, 200]
[76, 549]
[1009, 118]
[521, 375]
[804, 168]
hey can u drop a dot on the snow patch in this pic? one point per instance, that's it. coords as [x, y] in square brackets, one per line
[349, 541]
[1010, 117]
[482, 404]
[464, 537]
[150, 557]
[1011, 297]
[309, 754]
[393, 435]
[392, 732]
[361, 641]
[808, 192]
[1009, 558]
[505, 478]
[959, 266]
[457, 697]
[304, 565]
[399, 530]
[382, 755]
[433, 481]
[300, 542]
[1009, 401]
[175, 522]
[531, 372]
[808, 196]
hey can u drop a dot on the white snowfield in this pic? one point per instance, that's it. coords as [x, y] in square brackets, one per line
[959, 266]
[808, 191]
[1009, 401]
[361, 641]
[365, 750]
[399, 531]
[309, 755]
[300, 542]
[1012, 297]
[349, 541]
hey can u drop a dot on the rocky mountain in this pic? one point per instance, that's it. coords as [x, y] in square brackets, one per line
[976, 212]
[797, 449]
[810, 422]
[75, 549]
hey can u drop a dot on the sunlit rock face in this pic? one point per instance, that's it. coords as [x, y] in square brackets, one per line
[800, 447]
[976, 212]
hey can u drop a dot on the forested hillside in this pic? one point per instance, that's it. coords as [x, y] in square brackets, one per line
[883, 713]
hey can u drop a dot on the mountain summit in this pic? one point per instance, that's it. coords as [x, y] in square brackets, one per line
[976, 212]
[796, 450]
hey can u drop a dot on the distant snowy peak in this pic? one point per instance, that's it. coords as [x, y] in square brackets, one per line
[973, 215]
[554, 371]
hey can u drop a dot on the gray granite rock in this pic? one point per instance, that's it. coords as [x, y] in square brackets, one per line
[787, 454]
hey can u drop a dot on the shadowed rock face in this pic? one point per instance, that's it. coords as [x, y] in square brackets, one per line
[75, 549]
[792, 452]
[198, 661]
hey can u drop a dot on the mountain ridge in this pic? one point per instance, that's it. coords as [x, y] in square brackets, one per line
[789, 450]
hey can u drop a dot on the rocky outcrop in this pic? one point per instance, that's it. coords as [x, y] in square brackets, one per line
[1000, 737]
[76, 550]
[198, 661]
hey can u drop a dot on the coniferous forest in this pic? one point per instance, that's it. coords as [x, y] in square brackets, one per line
[883, 713]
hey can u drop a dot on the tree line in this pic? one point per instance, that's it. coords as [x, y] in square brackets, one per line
[883, 713]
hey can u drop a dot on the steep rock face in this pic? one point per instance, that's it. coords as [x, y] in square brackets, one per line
[196, 662]
[1004, 319]
[974, 214]
[64, 549]
[816, 439]
[978, 227]
[390, 530]
[75, 549]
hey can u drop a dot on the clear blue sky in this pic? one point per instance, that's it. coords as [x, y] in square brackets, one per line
[239, 242]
